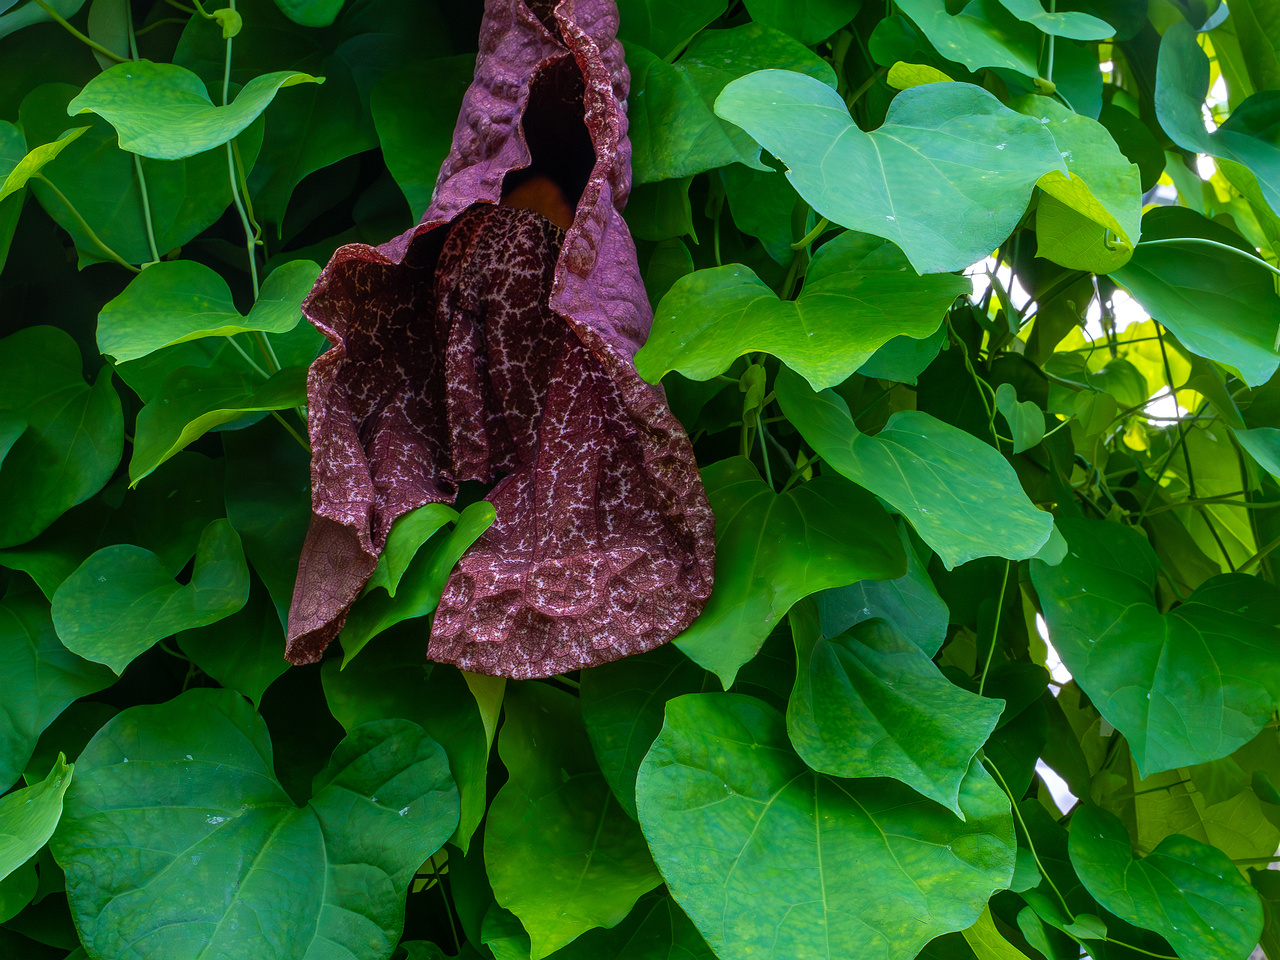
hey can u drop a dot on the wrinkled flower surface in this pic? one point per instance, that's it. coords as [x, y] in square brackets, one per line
[489, 343]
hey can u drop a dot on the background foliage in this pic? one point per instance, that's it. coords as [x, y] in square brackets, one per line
[983, 389]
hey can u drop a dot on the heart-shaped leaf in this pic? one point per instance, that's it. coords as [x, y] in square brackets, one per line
[29, 816]
[857, 296]
[946, 177]
[870, 703]
[774, 549]
[41, 677]
[1221, 305]
[179, 842]
[74, 433]
[163, 111]
[1070, 24]
[194, 400]
[560, 853]
[770, 859]
[961, 496]
[983, 34]
[1184, 687]
[122, 599]
[1184, 890]
[179, 300]
[676, 99]
[1025, 419]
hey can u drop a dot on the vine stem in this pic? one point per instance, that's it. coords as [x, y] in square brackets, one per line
[83, 224]
[995, 630]
[92, 44]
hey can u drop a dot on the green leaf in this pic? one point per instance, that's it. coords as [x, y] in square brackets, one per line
[986, 943]
[946, 177]
[984, 34]
[393, 679]
[809, 21]
[1025, 419]
[1245, 138]
[870, 703]
[163, 111]
[243, 652]
[1184, 890]
[122, 599]
[404, 540]
[389, 599]
[560, 853]
[74, 435]
[180, 300]
[41, 678]
[13, 147]
[1186, 686]
[774, 549]
[858, 295]
[1072, 25]
[17, 890]
[1220, 305]
[194, 400]
[958, 493]
[1263, 444]
[100, 181]
[415, 109]
[911, 603]
[311, 13]
[28, 817]
[1092, 216]
[674, 131]
[770, 859]
[178, 841]
[30, 165]
[664, 26]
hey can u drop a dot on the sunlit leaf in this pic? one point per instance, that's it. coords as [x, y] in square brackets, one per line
[28, 817]
[1070, 24]
[30, 165]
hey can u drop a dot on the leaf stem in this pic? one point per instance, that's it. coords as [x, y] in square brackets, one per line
[83, 225]
[247, 358]
[818, 230]
[1031, 845]
[995, 630]
[93, 44]
[292, 432]
[146, 208]
[1259, 556]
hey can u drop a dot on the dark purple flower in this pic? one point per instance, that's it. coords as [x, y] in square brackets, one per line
[489, 342]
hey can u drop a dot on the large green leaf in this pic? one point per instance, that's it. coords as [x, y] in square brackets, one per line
[1071, 24]
[179, 300]
[665, 26]
[674, 132]
[163, 111]
[122, 599]
[946, 177]
[16, 178]
[74, 433]
[13, 147]
[1186, 686]
[1245, 138]
[28, 817]
[41, 678]
[858, 295]
[243, 652]
[562, 855]
[1092, 216]
[179, 842]
[412, 572]
[193, 400]
[774, 549]
[311, 13]
[870, 703]
[983, 34]
[100, 181]
[772, 860]
[961, 496]
[394, 679]
[1221, 305]
[1184, 890]
[1263, 444]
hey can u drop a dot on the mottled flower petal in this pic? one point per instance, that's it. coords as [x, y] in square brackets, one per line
[489, 343]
